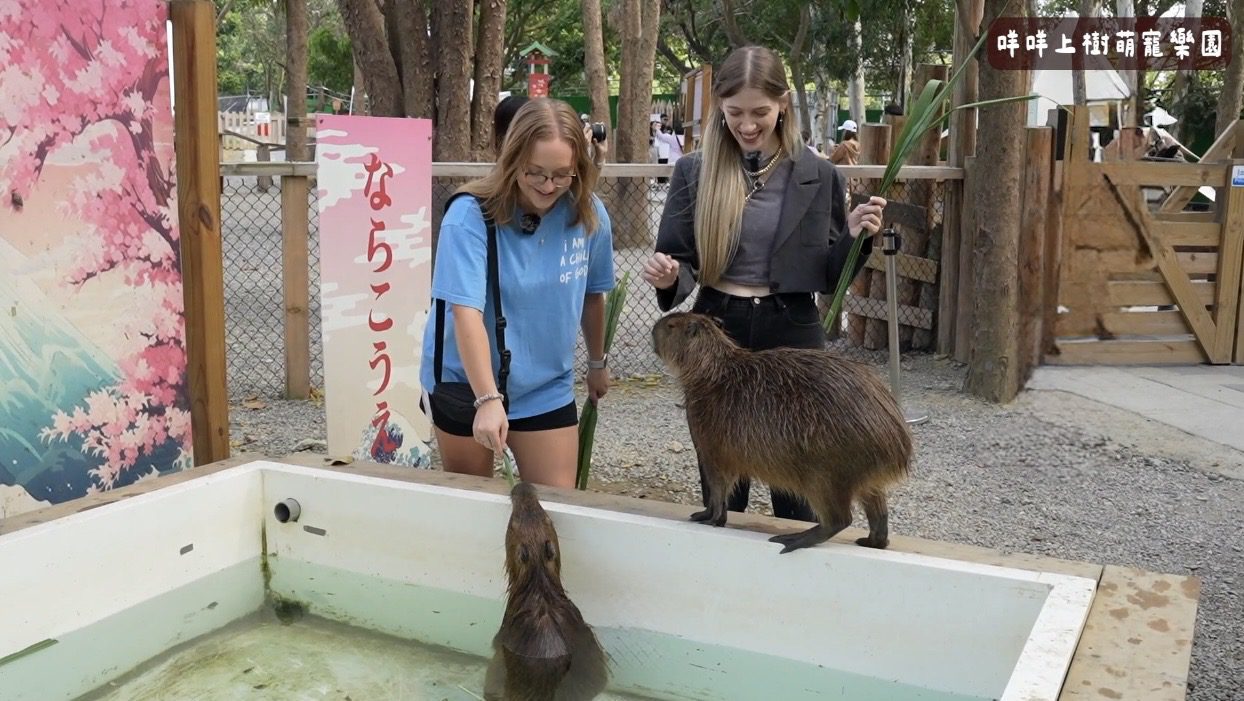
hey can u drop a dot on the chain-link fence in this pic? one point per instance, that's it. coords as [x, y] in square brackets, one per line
[250, 214]
[635, 197]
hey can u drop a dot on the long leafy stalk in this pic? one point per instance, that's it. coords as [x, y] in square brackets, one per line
[508, 468]
[927, 112]
[614, 302]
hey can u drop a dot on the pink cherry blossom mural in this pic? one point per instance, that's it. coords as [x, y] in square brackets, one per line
[92, 351]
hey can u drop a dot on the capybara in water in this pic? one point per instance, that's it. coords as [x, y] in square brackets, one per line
[544, 650]
[805, 421]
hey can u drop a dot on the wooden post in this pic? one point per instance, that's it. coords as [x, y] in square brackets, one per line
[263, 154]
[1038, 176]
[965, 301]
[923, 244]
[295, 283]
[874, 150]
[876, 335]
[948, 266]
[1230, 255]
[1053, 255]
[198, 211]
[962, 143]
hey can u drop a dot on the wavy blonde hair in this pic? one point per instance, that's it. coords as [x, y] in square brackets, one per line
[722, 189]
[542, 119]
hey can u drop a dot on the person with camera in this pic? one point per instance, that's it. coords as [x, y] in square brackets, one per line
[759, 223]
[553, 265]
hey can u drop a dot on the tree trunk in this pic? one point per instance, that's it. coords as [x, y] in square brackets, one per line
[407, 24]
[903, 89]
[1183, 80]
[995, 363]
[855, 89]
[1232, 98]
[796, 67]
[954, 318]
[730, 24]
[358, 90]
[594, 58]
[1127, 9]
[1079, 91]
[365, 26]
[640, 20]
[488, 65]
[831, 119]
[453, 96]
[296, 30]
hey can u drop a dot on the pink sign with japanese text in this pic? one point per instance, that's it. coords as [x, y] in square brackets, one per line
[375, 194]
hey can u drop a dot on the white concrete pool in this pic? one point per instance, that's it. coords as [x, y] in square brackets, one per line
[684, 611]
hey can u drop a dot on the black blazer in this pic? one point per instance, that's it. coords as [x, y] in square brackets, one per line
[812, 242]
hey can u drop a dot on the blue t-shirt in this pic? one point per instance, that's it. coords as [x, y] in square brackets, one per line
[544, 277]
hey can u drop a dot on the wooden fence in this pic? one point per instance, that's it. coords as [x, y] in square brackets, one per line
[1148, 279]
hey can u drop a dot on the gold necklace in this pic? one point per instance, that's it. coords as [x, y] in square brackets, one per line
[768, 166]
[755, 178]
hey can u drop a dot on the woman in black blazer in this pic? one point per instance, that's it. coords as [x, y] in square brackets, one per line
[759, 222]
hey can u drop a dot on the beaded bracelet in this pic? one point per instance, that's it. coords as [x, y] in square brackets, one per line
[486, 398]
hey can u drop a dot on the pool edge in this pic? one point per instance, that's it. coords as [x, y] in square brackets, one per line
[1120, 653]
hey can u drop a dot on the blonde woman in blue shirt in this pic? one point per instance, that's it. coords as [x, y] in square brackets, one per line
[555, 256]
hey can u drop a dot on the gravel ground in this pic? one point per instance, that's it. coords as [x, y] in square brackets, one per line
[1050, 474]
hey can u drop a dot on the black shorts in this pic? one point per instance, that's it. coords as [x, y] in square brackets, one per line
[558, 418]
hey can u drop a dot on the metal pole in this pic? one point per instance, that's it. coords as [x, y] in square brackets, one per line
[890, 247]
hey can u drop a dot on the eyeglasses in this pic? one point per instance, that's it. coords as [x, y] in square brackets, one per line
[536, 179]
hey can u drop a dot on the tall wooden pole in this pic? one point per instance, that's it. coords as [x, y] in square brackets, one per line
[994, 364]
[198, 211]
[956, 272]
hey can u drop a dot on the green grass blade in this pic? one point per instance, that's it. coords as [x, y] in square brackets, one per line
[587, 438]
[997, 101]
[614, 303]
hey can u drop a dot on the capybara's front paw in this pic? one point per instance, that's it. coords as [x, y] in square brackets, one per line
[784, 538]
[803, 539]
[711, 516]
[869, 542]
[702, 516]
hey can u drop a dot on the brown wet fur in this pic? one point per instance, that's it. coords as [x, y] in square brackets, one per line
[544, 650]
[806, 421]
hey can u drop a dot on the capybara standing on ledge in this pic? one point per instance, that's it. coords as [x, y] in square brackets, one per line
[544, 650]
[805, 421]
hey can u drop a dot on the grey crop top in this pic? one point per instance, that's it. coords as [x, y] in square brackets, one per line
[761, 215]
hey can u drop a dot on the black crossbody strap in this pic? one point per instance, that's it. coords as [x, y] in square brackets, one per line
[493, 282]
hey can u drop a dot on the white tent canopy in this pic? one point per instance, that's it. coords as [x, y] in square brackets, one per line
[1054, 88]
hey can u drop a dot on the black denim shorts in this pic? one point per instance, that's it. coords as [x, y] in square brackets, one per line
[561, 417]
[788, 320]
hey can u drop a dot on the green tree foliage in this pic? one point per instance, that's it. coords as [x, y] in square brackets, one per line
[331, 64]
[698, 28]
[250, 48]
[250, 44]
[558, 25]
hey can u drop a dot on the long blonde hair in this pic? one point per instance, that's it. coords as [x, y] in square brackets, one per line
[722, 188]
[539, 120]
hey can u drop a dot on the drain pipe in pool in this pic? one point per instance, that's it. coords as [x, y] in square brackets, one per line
[287, 510]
